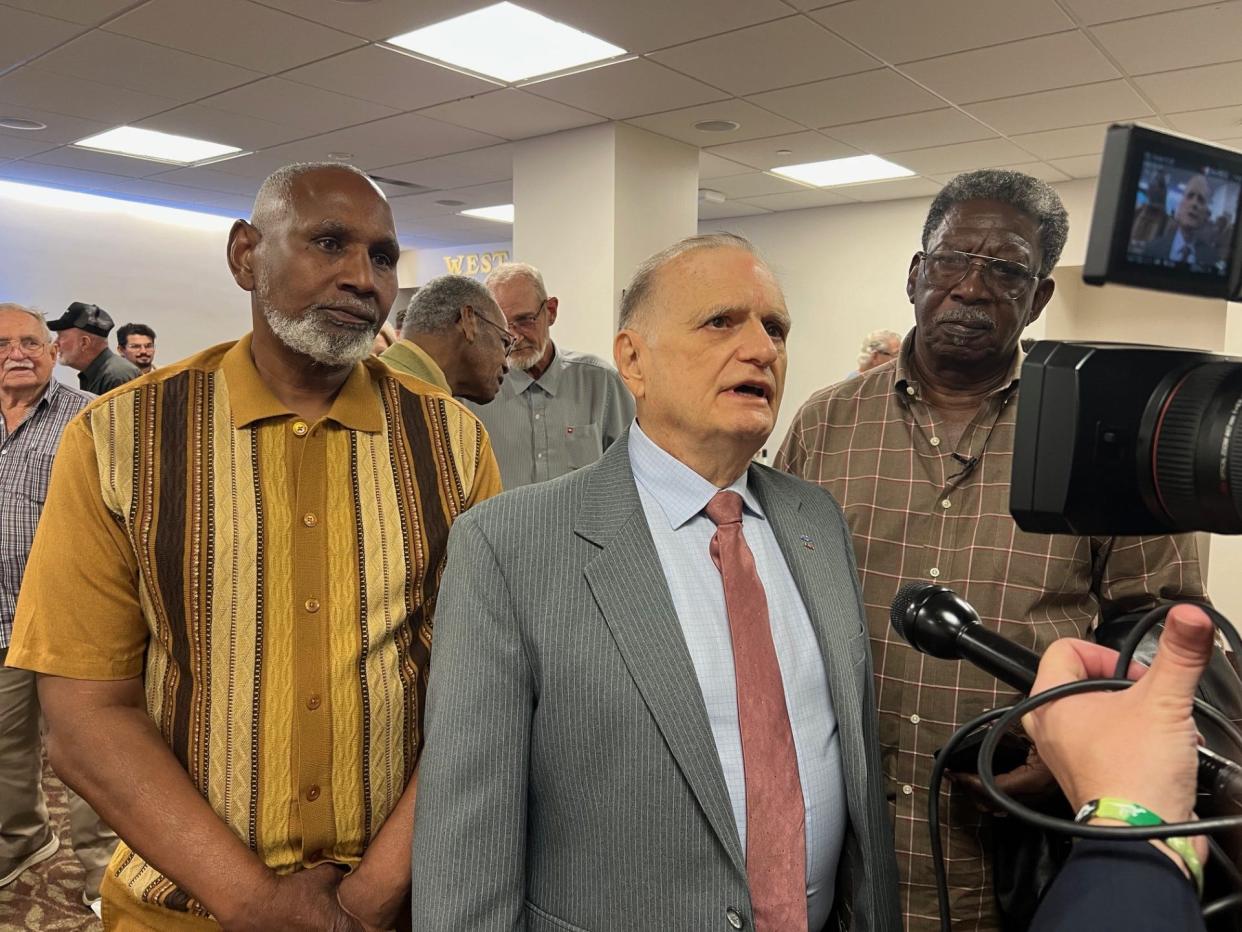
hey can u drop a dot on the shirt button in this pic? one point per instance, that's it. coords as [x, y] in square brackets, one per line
[907, 789]
[312, 792]
[935, 441]
[914, 719]
[313, 701]
[734, 917]
[946, 504]
[538, 417]
[312, 605]
[300, 428]
[934, 573]
[309, 519]
[910, 390]
[540, 456]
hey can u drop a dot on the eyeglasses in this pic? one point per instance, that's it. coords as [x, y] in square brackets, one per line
[946, 268]
[30, 346]
[526, 321]
[508, 339]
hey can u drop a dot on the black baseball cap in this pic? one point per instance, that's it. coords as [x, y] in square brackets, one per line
[89, 317]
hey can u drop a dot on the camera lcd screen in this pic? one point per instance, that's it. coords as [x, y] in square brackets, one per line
[1185, 210]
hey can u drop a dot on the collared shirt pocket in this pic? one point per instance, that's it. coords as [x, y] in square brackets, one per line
[583, 445]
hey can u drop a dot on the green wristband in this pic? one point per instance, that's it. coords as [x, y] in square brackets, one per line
[1122, 810]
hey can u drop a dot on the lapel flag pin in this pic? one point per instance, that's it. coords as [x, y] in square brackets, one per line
[806, 542]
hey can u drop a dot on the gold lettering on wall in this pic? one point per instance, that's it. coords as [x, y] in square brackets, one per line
[475, 263]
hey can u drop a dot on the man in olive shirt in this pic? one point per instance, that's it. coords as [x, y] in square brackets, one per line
[82, 338]
[455, 337]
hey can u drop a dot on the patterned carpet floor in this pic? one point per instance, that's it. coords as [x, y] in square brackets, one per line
[48, 897]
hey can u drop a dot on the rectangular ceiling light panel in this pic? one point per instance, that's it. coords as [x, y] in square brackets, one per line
[156, 146]
[853, 170]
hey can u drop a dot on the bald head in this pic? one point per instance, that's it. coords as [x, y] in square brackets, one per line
[282, 188]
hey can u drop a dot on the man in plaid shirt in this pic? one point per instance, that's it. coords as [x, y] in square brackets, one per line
[918, 453]
[35, 409]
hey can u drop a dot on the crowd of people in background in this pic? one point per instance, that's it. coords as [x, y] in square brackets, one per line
[664, 685]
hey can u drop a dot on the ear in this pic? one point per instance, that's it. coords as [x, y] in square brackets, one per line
[628, 350]
[469, 326]
[912, 276]
[243, 240]
[1043, 294]
[53, 350]
[552, 303]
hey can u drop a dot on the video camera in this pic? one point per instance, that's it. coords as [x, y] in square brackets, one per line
[1114, 438]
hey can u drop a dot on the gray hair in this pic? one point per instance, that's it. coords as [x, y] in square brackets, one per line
[29, 312]
[1037, 199]
[273, 196]
[512, 271]
[437, 305]
[638, 293]
[876, 341]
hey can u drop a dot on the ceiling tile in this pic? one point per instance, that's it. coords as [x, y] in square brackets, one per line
[69, 157]
[60, 128]
[798, 200]
[234, 31]
[1093, 103]
[1063, 143]
[855, 97]
[152, 189]
[808, 146]
[725, 211]
[713, 166]
[44, 90]
[753, 123]
[1040, 170]
[1015, 68]
[891, 190]
[1181, 39]
[377, 19]
[941, 28]
[16, 147]
[511, 114]
[627, 89]
[644, 25]
[208, 179]
[478, 166]
[140, 66]
[424, 205]
[913, 131]
[310, 108]
[795, 51]
[1080, 166]
[57, 176]
[1194, 88]
[754, 184]
[964, 156]
[86, 12]
[233, 129]
[387, 77]
[1102, 11]
[1217, 123]
[24, 36]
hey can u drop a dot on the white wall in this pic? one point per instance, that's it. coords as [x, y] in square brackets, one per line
[172, 277]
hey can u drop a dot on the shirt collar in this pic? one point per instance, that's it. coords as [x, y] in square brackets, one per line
[904, 381]
[355, 406]
[97, 366]
[519, 379]
[680, 491]
[432, 367]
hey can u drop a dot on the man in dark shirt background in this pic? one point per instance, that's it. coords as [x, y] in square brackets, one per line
[82, 338]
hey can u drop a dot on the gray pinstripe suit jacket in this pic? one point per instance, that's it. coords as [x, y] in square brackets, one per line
[570, 780]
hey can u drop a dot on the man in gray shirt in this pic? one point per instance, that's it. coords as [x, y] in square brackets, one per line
[557, 410]
[82, 339]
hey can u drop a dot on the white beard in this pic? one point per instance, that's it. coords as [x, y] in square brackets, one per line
[314, 335]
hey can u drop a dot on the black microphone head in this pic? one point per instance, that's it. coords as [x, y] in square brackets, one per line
[930, 617]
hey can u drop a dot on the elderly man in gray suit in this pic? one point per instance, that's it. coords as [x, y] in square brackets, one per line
[650, 703]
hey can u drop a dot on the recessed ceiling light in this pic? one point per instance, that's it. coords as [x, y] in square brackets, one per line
[843, 171]
[711, 196]
[451, 203]
[507, 42]
[716, 126]
[341, 156]
[784, 151]
[156, 146]
[19, 123]
[501, 213]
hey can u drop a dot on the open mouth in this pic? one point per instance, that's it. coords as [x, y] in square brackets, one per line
[751, 390]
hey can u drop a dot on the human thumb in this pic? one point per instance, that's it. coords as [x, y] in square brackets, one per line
[1183, 654]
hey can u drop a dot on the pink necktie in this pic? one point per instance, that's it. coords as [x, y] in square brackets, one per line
[775, 815]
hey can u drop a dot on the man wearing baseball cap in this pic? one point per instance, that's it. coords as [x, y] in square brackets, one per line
[82, 336]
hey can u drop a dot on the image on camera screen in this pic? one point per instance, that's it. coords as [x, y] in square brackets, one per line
[1184, 215]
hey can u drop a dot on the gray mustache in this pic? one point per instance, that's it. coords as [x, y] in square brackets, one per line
[965, 315]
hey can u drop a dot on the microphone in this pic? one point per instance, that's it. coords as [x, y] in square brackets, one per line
[935, 620]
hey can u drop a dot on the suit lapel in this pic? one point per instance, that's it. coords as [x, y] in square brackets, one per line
[629, 586]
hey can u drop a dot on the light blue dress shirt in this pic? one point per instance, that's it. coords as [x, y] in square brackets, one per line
[673, 497]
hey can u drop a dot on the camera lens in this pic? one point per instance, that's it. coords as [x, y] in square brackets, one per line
[1190, 467]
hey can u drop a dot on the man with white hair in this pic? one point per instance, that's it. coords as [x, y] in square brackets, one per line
[557, 410]
[878, 347]
[252, 541]
[35, 408]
